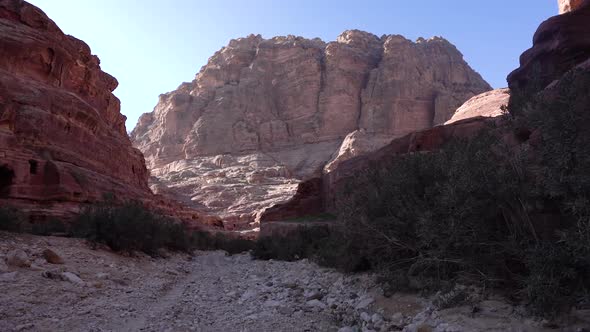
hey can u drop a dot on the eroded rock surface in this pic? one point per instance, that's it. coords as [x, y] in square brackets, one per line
[287, 103]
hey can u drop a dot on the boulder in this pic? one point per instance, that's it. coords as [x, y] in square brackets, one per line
[18, 258]
[73, 278]
[3, 267]
[52, 257]
[355, 144]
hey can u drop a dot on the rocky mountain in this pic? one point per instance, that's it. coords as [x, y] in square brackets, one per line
[63, 141]
[560, 56]
[265, 113]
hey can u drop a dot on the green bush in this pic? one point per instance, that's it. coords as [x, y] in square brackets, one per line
[202, 240]
[10, 220]
[303, 242]
[48, 227]
[432, 218]
[131, 226]
[559, 267]
[557, 278]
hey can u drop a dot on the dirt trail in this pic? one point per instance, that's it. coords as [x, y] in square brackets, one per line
[225, 293]
[211, 291]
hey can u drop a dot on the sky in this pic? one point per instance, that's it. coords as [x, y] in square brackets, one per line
[152, 46]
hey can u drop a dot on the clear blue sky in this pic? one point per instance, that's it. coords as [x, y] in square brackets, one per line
[151, 46]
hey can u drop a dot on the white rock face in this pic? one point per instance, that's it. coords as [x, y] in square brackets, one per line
[566, 6]
[288, 103]
[487, 104]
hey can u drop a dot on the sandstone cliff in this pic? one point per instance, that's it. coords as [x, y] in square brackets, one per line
[263, 114]
[63, 141]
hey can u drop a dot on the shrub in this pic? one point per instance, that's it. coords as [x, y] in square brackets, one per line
[49, 227]
[557, 279]
[303, 242]
[131, 227]
[560, 186]
[233, 245]
[431, 218]
[10, 220]
[202, 240]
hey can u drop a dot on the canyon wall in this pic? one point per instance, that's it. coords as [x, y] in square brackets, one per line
[264, 114]
[63, 142]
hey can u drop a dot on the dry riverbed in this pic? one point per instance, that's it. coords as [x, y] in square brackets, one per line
[97, 290]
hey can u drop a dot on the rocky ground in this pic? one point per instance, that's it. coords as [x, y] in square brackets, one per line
[94, 289]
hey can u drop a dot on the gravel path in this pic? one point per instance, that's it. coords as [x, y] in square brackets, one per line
[208, 291]
[97, 290]
[233, 293]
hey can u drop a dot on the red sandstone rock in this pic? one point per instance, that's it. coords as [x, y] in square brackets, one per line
[307, 201]
[62, 137]
[63, 141]
[560, 43]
